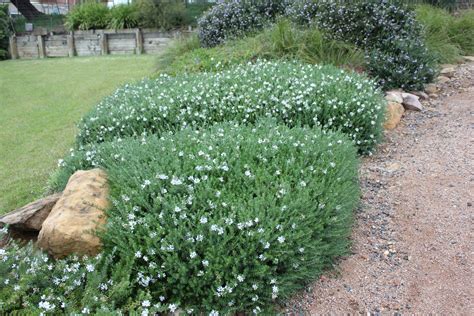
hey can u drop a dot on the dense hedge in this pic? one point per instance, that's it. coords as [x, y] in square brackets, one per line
[226, 219]
[293, 93]
[389, 33]
[5, 30]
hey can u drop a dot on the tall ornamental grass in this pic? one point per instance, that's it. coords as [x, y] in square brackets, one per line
[294, 94]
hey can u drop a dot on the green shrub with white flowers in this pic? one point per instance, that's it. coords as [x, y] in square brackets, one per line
[294, 94]
[218, 221]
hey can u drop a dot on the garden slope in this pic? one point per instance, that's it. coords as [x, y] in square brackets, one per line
[413, 242]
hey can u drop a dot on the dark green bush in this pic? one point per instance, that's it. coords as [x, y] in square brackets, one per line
[88, 16]
[233, 18]
[161, 14]
[390, 35]
[227, 219]
[123, 17]
[404, 64]
[5, 31]
[295, 94]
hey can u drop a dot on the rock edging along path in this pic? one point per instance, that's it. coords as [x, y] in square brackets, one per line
[413, 242]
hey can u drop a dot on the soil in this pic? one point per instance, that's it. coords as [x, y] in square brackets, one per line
[412, 247]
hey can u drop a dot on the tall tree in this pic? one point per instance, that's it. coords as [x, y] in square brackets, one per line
[26, 9]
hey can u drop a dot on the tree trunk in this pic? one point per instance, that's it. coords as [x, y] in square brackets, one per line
[26, 9]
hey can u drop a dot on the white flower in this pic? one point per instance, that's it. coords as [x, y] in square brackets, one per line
[176, 181]
[177, 209]
[85, 310]
[205, 263]
[193, 255]
[162, 176]
[138, 254]
[146, 303]
[240, 278]
[203, 220]
[172, 307]
[90, 268]
[214, 313]
[248, 173]
[281, 239]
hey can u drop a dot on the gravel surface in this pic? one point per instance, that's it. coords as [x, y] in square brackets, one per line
[413, 237]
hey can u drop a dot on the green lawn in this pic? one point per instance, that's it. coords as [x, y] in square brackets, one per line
[40, 103]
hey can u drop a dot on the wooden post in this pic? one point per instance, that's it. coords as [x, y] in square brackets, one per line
[139, 42]
[13, 47]
[104, 49]
[70, 45]
[41, 48]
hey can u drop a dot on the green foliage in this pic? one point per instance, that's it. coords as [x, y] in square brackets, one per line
[226, 219]
[5, 30]
[437, 24]
[161, 14]
[462, 31]
[88, 16]
[404, 64]
[295, 94]
[123, 17]
[282, 41]
[390, 35]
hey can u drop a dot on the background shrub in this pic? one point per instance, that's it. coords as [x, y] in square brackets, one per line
[227, 219]
[390, 35]
[405, 64]
[88, 16]
[293, 93]
[123, 16]
[234, 18]
[161, 14]
[5, 30]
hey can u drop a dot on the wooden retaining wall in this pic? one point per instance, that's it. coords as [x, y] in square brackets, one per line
[92, 43]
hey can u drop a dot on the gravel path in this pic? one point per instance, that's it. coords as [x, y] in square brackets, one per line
[413, 238]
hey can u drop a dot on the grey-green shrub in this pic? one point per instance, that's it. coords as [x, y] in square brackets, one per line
[294, 94]
[227, 219]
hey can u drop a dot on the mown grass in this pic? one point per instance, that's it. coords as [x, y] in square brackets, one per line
[40, 103]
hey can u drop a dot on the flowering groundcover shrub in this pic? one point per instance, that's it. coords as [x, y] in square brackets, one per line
[227, 219]
[294, 94]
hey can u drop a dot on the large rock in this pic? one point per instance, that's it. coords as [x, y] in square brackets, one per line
[411, 102]
[30, 217]
[431, 88]
[71, 225]
[468, 58]
[393, 115]
[394, 96]
[447, 71]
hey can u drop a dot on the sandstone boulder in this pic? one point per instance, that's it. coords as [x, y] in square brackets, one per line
[30, 217]
[448, 71]
[71, 225]
[411, 102]
[431, 88]
[394, 96]
[442, 79]
[468, 58]
[393, 115]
